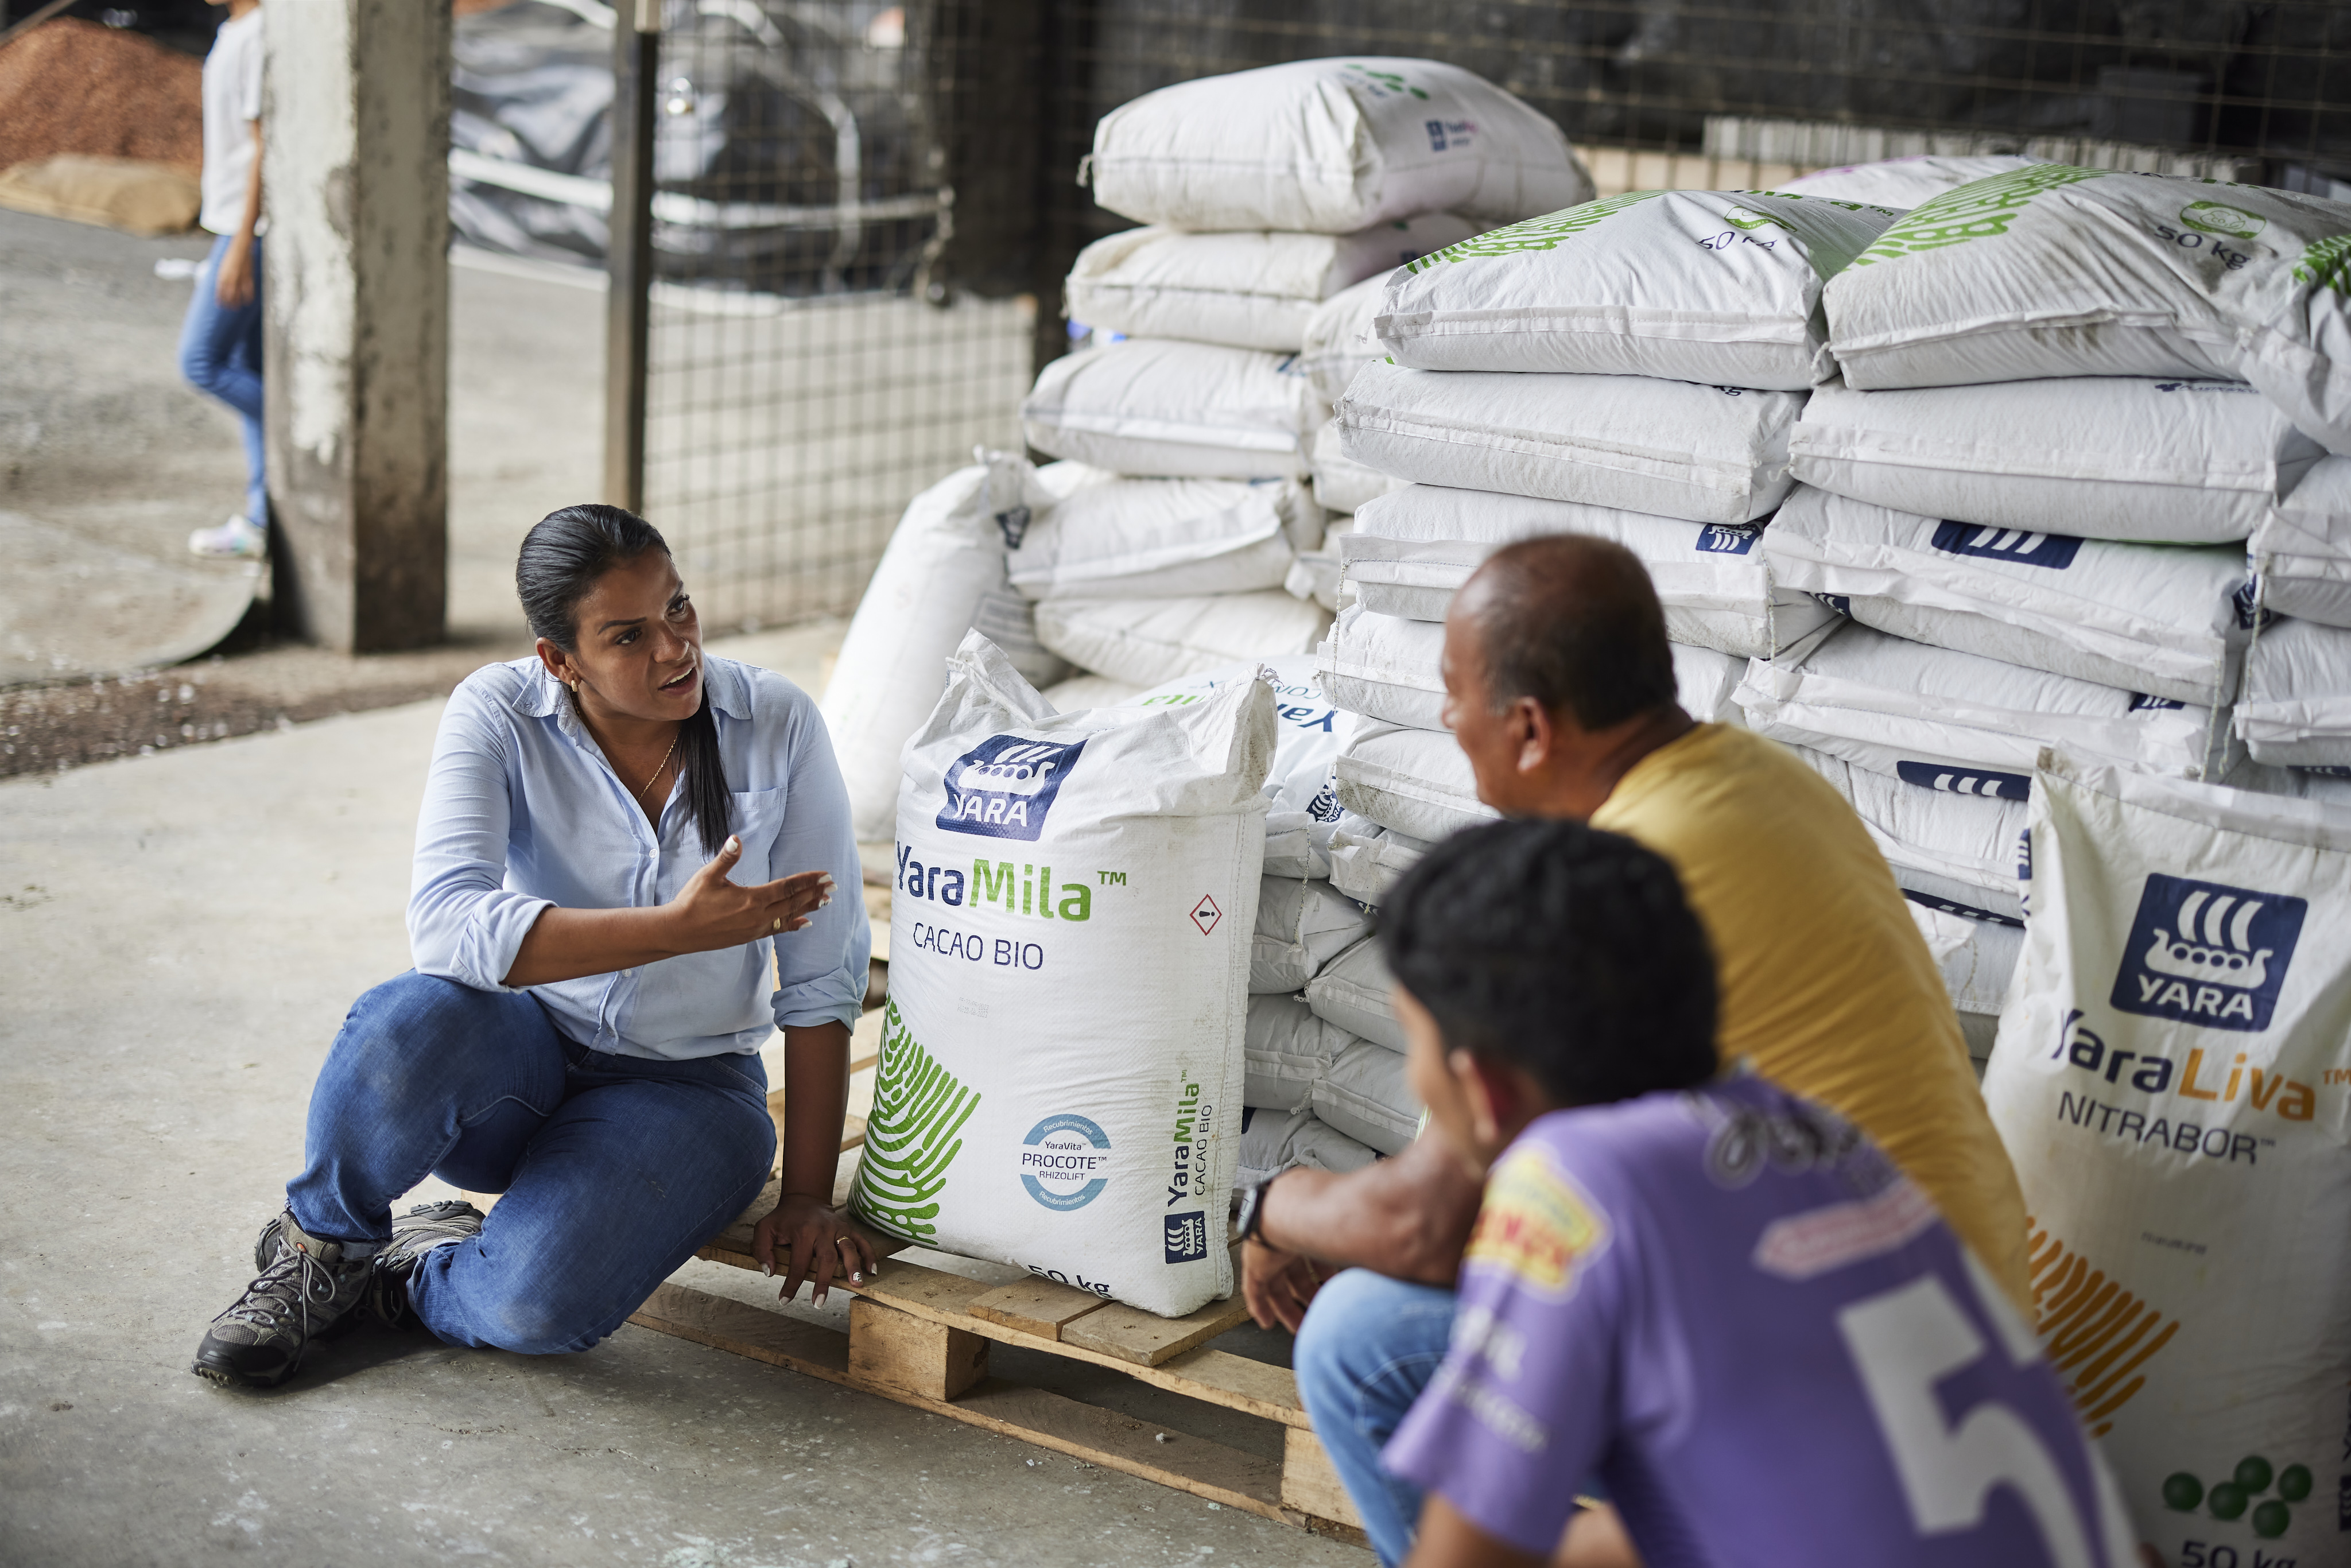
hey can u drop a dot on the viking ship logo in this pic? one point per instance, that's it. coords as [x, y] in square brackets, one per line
[1003, 787]
[2203, 953]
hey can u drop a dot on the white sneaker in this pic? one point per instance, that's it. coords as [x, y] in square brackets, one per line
[235, 540]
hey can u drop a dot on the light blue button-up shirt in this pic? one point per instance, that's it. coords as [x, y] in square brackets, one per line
[522, 811]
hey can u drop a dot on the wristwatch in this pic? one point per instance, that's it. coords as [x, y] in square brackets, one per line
[1250, 1222]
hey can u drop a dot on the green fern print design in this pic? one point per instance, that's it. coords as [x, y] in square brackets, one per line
[919, 1107]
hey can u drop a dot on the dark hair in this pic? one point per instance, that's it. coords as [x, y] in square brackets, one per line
[1562, 949]
[1573, 622]
[562, 557]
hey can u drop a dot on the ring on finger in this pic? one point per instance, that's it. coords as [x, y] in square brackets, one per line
[778, 926]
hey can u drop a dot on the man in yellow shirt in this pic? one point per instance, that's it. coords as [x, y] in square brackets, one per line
[1560, 688]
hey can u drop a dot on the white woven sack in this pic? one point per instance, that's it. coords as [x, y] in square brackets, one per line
[2303, 549]
[1717, 287]
[1977, 956]
[2104, 457]
[1366, 1095]
[1367, 859]
[2169, 1079]
[1152, 407]
[1247, 290]
[1038, 855]
[1272, 1142]
[2296, 710]
[1315, 575]
[1150, 641]
[1417, 781]
[1300, 927]
[1330, 147]
[1090, 691]
[1165, 539]
[2167, 620]
[1309, 730]
[1353, 991]
[1944, 720]
[1673, 449]
[1339, 336]
[1905, 182]
[1957, 852]
[1341, 484]
[941, 574]
[1411, 551]
[1289, 1048]
[2064, 271]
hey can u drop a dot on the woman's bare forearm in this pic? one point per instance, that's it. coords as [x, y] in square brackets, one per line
[816, 1103]
[565, 944]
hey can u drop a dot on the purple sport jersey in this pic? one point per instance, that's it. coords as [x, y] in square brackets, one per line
[1763, 1338]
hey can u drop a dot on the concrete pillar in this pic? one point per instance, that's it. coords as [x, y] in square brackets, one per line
[355, 126]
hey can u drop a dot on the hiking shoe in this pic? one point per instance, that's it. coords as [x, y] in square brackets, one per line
[304, 1291]
[413, 1234]
[239, 538]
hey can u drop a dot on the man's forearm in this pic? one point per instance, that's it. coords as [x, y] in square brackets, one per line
[1408, 1217]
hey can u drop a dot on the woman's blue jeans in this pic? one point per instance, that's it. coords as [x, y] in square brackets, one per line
[614, 1168]
[219, 353]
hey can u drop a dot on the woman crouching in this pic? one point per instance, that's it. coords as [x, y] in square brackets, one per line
[600, 952]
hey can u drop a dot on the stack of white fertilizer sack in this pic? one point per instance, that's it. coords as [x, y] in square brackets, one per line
[1198, 537]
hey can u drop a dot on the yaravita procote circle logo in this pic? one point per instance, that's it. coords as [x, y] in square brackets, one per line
[2219, 218]
[1065, 1161]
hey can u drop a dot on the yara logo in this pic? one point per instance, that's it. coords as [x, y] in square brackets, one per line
[1002, 787]
[2203, 953]
[2055, 552]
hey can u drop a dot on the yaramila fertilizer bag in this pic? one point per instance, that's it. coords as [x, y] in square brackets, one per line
[2302, 548]
[1249, 290]
[1309, 729]
[2170, 620]
[2296, 710]
[942, 574]
[2171, 1081]
[2161, 461]
[2062, 271]
[1717, 287]
[1905, 182]
[1413, 548]
[1944, 720]
[1061, 1076]
[1163, 539]
[1158, 408]
[1330, 147]
[1672, 449]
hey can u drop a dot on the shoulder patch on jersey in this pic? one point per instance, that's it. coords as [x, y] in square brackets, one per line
[1536, 1224]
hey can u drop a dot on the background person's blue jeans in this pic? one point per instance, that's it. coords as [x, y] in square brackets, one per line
[219, 353]
[614, 1168]
[1367, 1348]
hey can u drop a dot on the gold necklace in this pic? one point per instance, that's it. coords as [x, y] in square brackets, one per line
[664, 762]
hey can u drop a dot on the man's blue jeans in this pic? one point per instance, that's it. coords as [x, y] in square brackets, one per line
[219, 353]
[614, 1168]
[1367, 1348]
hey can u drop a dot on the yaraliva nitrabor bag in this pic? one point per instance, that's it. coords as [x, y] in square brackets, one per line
[1717, 287]
[1154, 407]
[1330, 147]
[1413, 548]
[2296, 710]
[1163, 538]
[2170, 620]
[1672, 449]
[1249, 290]
[2158, 460]
[2173, 1081]
[2064, 271]
[2302, 548]
[1061, 1065]
[1949, 720]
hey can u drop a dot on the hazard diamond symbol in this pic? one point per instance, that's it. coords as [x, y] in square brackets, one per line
[1205, 914]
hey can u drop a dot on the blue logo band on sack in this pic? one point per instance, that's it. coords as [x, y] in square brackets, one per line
[2055, 552]
[1965, 781]
[1716, 539]
[1002, 787]
[1065, 1161]
[2204, 953]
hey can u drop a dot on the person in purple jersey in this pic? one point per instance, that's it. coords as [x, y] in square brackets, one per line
[1720, 1300]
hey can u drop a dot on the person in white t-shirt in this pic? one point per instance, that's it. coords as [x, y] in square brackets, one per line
[220, 345]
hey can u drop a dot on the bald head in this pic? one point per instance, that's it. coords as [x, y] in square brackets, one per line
[1573, 622]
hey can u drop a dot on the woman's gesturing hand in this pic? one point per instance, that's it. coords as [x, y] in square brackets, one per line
[819, 1244]
[711, 911]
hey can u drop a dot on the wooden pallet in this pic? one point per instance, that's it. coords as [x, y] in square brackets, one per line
[921, 1336]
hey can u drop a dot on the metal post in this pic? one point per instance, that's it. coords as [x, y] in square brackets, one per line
[629, 255]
